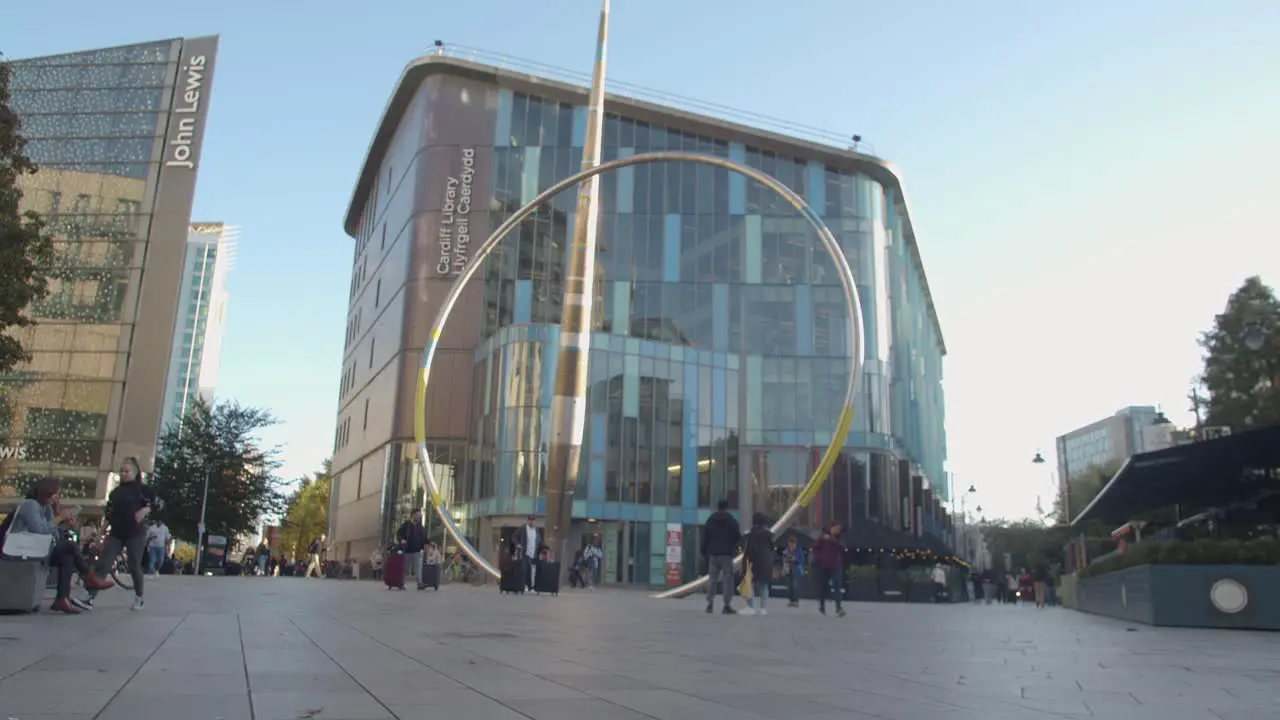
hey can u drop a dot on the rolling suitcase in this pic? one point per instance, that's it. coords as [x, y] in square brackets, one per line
[430, 577]
[393, 570]
[512, 579]
[547, 578]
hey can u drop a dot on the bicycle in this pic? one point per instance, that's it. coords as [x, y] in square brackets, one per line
[119, 572]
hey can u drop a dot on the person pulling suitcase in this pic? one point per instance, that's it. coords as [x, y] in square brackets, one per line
[412, 539]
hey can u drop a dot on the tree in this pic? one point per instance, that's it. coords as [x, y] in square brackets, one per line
[1027, 542]
[308, 512]
[217, 441]
[25, 249]
[1243, 383]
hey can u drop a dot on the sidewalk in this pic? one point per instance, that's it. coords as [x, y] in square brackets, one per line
[285, 648]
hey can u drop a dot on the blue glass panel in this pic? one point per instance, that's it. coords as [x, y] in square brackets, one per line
[506, 473]
[488, 383]
[621, 308]
[737, 182]
[626, 511]
[718, 400]
[502, 120]
[522, 312]
[611, 511]
[626, 184]
[579, 127]
[660, 515]
[547, 389]
[671, 248]
[755, 392]
[595, 510]
[599, 433]
[720, 316]
[690, 516]
[816, 186]
[529, 173]
[579, 508]
[630, 386]
[525, 506]
[867, 298]
[704, 515]
[689, 454]
[751, 250]
[595, 480]
[643, 514]
[790, 437]
[804, 320]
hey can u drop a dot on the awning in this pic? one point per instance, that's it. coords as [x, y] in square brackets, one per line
[870, 535]
[1211, 473]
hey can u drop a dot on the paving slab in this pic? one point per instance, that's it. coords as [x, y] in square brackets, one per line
[286, 648]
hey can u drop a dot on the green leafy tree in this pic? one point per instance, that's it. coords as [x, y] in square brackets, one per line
[1244, 383]
[220, 442]
[25, 249]
[307, 515]
[1027, 542]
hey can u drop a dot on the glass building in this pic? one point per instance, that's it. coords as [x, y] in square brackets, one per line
[202, 308]
[116, 134]
[719, 352]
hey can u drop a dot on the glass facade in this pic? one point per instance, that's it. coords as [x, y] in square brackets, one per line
[719, 352]
[93, 122]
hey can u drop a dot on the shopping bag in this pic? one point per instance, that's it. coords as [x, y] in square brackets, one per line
[744, 587]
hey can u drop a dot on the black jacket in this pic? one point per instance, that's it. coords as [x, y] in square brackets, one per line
[758, 551]
[721, 534]
[520, 538]
[412, 537]
[123, 505]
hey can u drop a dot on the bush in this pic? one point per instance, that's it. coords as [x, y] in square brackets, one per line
[1263, 551]
[862, 572]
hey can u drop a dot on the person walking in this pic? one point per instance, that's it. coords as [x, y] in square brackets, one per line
[720, 537]
[157, 541]
[828, 565]
[1039, 583]
[988, 586]
[592, 556]
[757, 554]
[412, 537]
[127, 509]
[315, 557]
[793, 569]
[263, 559]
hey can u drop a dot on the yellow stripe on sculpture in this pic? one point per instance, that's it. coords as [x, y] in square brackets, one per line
[829, 458]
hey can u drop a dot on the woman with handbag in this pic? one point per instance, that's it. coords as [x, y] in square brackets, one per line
[36, 531]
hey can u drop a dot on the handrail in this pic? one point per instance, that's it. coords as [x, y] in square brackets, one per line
[639, 92]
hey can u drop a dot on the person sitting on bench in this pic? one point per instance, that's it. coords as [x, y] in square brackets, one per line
[40, 514]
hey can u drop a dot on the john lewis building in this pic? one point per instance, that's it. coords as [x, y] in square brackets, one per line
[718, 353]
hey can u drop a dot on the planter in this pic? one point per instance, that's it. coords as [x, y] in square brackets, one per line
[862, 590]
[1206, 596]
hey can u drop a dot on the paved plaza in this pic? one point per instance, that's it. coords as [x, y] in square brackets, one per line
[285, 648]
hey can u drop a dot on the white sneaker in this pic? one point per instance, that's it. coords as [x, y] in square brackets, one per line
[763, 611]
[138, 603]
[747, 611]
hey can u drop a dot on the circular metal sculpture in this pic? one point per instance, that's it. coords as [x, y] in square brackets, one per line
[832, 247]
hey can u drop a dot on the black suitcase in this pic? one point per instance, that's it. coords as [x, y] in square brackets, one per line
[430, 577]
[512, 579]
[547, 578]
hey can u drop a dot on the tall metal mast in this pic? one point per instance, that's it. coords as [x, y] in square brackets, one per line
[568, 405]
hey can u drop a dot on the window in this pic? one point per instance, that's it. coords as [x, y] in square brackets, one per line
[384, 236]
[365, 424]
[377, 293]
[371, 342]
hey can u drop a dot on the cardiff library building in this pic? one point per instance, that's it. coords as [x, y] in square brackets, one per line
[720, 347]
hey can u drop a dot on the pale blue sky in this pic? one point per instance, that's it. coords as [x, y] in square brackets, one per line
[1089, 179]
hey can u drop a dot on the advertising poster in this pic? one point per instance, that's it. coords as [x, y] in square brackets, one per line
[675, 551]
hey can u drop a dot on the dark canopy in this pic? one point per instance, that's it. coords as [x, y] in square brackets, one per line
[1211, 473]
[870, 535]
